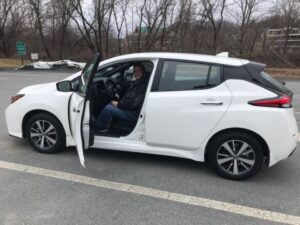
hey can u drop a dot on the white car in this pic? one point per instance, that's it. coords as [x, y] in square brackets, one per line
[222, 110]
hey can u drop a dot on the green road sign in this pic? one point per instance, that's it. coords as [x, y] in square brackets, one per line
[144, 29]
[21, 48]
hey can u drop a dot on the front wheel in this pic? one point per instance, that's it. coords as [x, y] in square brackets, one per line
[235, 155]
[45, 133]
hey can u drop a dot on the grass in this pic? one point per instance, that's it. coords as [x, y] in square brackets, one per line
[6, 63]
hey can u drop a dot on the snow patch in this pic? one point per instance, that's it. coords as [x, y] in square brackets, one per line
[61, 64]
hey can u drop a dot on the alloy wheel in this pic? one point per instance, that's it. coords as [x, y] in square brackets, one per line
[236, 157]
[43, 134]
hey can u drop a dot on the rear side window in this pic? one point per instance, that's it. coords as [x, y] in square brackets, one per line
[176, 76]
[237, 72]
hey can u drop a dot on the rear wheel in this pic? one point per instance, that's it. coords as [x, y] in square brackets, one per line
[235, 155]
[45, 133]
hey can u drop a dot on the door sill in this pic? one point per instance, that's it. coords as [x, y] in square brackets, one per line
[112, 133]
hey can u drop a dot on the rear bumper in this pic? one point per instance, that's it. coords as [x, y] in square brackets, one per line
[291, 145]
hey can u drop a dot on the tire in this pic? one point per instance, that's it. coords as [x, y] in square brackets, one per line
[235, 155]
[45, 133]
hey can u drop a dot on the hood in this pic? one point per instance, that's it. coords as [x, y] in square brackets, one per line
[38, 87]
[45, 87]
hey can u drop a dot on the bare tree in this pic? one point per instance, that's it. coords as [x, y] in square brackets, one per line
[10, 23]
[5, 9]
[245, 19]
[214, 10]
[91, 22]
[83, 24]
[61, 13]
[155, 19]
[180, 25]
[119, 11]
[37, 7]
[107, 26]
[140, 14]
[290, 12]
[60, 28]
[198, 26]
[185, 24]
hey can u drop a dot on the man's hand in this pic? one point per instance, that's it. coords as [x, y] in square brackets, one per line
[115, 103]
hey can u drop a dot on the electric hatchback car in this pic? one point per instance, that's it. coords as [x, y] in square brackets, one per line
[224, 111]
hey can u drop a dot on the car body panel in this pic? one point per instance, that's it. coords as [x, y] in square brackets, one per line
[79, 108]
[267, 122]
[172, 114]
[38, 97]
[76, 113]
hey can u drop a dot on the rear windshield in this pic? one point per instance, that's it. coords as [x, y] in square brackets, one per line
[275, 82]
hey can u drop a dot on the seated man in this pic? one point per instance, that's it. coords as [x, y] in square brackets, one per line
[129, 106]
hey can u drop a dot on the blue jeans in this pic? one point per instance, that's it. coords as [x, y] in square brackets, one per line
[109, 112]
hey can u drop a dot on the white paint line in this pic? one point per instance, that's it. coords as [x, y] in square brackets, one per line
[155, 193]
[298, 137]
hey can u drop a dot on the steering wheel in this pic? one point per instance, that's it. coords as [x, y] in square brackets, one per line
[113, 88]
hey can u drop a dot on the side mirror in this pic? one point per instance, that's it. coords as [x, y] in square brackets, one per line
[64, 86]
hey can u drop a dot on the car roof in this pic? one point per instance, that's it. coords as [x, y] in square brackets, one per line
[180, 56]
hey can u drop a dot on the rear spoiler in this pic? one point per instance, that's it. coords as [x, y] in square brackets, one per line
[255, 66]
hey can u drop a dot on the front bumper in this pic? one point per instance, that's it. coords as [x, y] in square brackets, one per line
[13, 121]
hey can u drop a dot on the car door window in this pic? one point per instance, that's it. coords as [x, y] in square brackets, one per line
[177, 75]
[86, 73]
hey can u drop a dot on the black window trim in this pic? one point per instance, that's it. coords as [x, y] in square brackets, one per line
[159, 68]
[124, 64]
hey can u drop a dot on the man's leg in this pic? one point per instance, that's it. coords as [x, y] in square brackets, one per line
[109, 112]
[104, 118]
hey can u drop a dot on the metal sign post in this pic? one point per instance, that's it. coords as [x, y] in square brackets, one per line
[21, 49]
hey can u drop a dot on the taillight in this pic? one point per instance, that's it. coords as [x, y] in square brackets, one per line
[282, 101]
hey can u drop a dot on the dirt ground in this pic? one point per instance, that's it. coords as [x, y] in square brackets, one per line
[11, 63]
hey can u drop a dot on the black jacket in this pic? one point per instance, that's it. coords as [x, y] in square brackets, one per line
[134, 96]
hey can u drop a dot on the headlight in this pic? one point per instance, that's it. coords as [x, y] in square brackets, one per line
[15, 98]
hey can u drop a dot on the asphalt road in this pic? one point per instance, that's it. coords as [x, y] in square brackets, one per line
[37, 198]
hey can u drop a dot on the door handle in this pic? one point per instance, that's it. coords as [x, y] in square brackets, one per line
[212, 103]
[86, 124]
